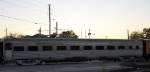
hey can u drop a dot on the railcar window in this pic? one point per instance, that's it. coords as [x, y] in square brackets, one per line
[74, 47]
[8, 46]
[110, 47]
[99, 47]
[137, 47]
[61, 47]
[47, 48]
[130, 47]
[121, 47]
[18, 48]
[87, 47]
[32, 48]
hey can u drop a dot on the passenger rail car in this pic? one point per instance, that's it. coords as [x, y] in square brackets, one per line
[38, 50]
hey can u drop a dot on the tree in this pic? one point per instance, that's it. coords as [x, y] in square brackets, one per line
[145, 34]
[37, 36]
[68, 34]
[136, 35]
[54, 35]
[64, 34]
[15, 35]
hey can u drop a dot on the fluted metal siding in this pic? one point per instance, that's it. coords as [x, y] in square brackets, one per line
[54, 54]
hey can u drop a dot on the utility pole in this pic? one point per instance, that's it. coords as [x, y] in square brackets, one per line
[6, 32]
[81, 33]
[40, 32]
[49, 20]
[85, 33]
[56, 28]
[89, 33]
[128, 34]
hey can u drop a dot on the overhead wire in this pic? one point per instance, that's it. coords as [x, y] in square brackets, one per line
[22, 20]
[22, 14]
[19, 13]
[26, 20]
[59, 15]
[27, 29]
[21, 6]
[65, 15]
[52, 10]
[76, 23]
[61, 12]
[51, 6]
[30, 4]
[35, 5]
[39, 2]
[33, 10]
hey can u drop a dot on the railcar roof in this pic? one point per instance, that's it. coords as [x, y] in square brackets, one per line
[64, 39]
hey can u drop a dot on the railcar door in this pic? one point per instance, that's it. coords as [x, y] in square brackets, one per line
[8, 51]
[1, 52]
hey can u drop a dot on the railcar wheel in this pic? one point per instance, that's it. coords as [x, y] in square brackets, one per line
[3, 62]
[131, 58]
[121, 58]
[19, 62]
[42, 63]
[126, 58]
[116, 60]
[37, 62]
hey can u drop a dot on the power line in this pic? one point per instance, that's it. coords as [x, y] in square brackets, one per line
[66, 18]
[64, 15]
[61, 12]
[19, 13]
[39, 2]
[27, 29]
[25, 20]
[30, 4]
[61, 17]
[22, 20]
[20, 6]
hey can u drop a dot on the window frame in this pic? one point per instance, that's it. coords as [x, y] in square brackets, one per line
[130, 47]
[99, 47]
[29, 47]
[74, 47]
[19, 47]
[8, 46]
[59, 48]
[87, 48]
[137, 47]
[45, 48]
[120, 47]
[109, 48]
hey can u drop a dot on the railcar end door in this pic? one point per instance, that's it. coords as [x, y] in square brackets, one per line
[1, 51]
[8, 51]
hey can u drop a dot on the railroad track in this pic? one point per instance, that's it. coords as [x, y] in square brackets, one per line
[55, 63]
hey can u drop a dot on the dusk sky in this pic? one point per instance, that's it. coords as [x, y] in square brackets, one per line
[109, 18]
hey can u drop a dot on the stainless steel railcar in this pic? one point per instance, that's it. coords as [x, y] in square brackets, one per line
[38, 50]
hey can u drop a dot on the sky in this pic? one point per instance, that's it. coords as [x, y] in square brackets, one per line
[111, 18]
